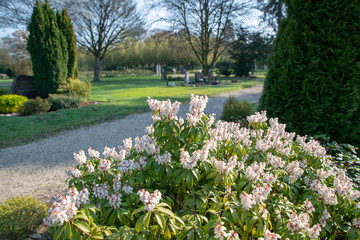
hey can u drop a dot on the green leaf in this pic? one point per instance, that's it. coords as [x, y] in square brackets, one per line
[142, 222]
[59, 232]
[83, 226]
[112, 218]
[67, 230]
[166, 211]
[191, 235]
[81, 216]
[160, 219]
[167, 234]
[75, 234]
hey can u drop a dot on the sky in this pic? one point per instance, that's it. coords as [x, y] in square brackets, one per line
[251, 21]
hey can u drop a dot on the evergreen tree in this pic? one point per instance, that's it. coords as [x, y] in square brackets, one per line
[314, 74]
[70, 50]
[45, 47]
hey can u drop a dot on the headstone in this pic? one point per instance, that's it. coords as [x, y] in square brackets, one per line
[265, 67]
[163, 74]
[210, 75]
[187, 77]
[24, 85]
[158, 70]
[198, 76]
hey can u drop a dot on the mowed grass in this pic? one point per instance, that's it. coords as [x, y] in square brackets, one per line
[117, 98]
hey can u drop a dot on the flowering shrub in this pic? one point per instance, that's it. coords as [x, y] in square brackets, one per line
[193, 179]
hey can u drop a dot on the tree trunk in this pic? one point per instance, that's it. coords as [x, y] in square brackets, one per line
[97, 69]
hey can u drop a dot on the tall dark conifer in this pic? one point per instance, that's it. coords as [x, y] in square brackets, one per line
[67, 29]
[45, 45]
[314, 74]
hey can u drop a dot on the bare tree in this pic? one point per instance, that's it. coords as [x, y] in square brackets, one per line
[18, 58]
[99, 24]
[273, 12]
[207, 25]
[104, 25]
[15, 13]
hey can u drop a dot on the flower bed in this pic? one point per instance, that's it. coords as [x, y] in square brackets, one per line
[190, 179]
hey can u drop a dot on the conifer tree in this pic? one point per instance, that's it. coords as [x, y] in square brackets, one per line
[314, 74]
[45, 47]
[67, 29]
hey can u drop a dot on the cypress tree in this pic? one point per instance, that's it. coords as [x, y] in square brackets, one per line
[45, 47]
[314, 75]
[67, 30]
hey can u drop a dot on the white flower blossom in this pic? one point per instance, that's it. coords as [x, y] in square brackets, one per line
[80, 158]
[150, 200]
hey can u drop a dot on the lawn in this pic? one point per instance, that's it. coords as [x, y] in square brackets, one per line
[118, 97]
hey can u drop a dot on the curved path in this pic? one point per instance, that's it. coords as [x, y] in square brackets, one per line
[37, 168]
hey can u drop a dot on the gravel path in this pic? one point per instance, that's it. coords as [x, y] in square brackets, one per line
[37, 168]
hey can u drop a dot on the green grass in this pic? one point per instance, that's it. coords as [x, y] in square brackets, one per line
[121, 96]
[6, 83]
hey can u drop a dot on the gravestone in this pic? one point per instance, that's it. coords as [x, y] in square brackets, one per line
[198, 76]
[158, 70]
[163, 74]
[24, 85]
[187, 77]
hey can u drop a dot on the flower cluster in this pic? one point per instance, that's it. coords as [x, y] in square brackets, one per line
[188, 162]
[164, 108]
[164, 159]
[220, 233]
[114, 200]
[258, 117]
[254, 171]
[197, 106]
[80, 158]
[150, 200]
[270, 235]
[247, 201]
[224, 168]
[64, 207]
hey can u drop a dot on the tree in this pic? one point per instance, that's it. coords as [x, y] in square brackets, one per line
[70, 50]
[207, 25]
[15, 13]
[273, 12]
[16, 57]
[248, 49]
[103, 25]
[313, 80]
[45, 45]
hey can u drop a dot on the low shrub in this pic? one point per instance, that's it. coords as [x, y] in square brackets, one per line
[191, 179]
[345, 157]
[19, 216]
[64, 101]
[236, 111]
[11, 103]
[3, 91]
[35, 106]
[76, 87]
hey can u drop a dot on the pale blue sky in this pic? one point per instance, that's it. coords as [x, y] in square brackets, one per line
[251, 21]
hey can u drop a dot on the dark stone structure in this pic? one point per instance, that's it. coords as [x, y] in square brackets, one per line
[24, 85]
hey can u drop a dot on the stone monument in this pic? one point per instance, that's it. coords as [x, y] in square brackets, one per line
[187, 77]
[24, 85]
[163, 74]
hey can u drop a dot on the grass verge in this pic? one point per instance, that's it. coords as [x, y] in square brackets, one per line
[121, 96]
